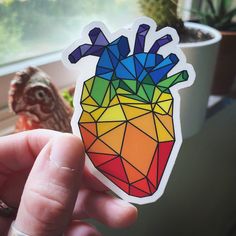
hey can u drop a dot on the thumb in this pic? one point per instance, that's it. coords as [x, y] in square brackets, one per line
[52, 187]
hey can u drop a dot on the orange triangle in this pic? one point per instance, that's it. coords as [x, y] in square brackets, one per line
[114, 138]
[100, 147]
[162, 132]
[91, 127]
[146, 124]
[167, 122]
[132, 173]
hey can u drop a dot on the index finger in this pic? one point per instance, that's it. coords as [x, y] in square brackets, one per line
[18, 151]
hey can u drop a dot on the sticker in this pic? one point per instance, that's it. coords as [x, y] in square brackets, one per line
[127, 105]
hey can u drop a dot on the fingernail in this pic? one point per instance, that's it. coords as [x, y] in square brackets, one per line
[67, 152]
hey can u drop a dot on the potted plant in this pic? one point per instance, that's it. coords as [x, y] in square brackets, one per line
[200, 44]
[219, 15]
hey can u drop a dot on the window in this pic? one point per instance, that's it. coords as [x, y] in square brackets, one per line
[30, 28]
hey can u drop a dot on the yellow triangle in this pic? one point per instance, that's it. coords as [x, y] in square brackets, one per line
[171, 111]
[97, 113]
[89, 101]
[164, 97]
[114, 101]
[85, 93]
[86, 117]
[88, 108]
[104, 127]
[162, 133]
[142, 106]
[114, 113]
[122, 91]
[156, 95]
[124, 99]
[133, 112]
[107, 98]
[159, 110]
[89, 83]
[165, 105]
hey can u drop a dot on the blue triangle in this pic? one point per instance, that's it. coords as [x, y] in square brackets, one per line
[139, 68]
[159, 59]
[101, 70]
[114, 49]
[172, 59]
[114, 59]
[158, 74]
[129, 64]
[123, 73]
[151, 60]
[142, 76]
[106, 76]
[141, 57]
[105, 60]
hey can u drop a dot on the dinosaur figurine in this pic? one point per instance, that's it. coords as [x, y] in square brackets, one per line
[37, 102]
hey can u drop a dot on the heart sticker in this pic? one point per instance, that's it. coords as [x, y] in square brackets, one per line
[127, 105]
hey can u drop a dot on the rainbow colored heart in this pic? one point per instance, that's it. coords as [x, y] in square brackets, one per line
[126, 121]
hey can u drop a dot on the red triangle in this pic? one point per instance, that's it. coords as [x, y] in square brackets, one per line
[142, 185]
[152, 173]
[87, 137]
[164, 154]
[115, 168]
[122, 185]
[99, 159]
[152, 188]
[137, 193]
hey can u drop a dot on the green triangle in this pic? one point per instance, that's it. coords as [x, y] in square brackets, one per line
[99, 89]
[141, 93]
[124, 86]
[174, 79]
[115, 83]
[163, 89]
[133, 96]
[149, 90]
[148, 80]
[132, 84]
[113, 92]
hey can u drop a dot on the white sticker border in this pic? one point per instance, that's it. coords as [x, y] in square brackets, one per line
[88, 66]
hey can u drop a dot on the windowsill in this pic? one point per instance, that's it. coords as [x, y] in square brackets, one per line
[60, 76]
[35, 61]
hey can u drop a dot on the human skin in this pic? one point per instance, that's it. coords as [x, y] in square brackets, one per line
[42, 173]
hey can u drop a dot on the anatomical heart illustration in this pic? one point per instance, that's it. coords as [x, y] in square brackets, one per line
[127, 105]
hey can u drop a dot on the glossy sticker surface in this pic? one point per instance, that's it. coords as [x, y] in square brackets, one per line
[127, 105]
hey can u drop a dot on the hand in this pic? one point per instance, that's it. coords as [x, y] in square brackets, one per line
[42, 172]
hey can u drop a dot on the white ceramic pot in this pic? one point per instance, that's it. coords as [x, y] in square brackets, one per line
[203, 57]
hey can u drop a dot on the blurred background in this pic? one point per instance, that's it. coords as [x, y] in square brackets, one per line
[200, 198]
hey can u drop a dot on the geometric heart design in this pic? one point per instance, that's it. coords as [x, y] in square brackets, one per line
[126, 113]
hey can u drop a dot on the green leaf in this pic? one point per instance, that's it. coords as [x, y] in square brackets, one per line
[211, 6]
